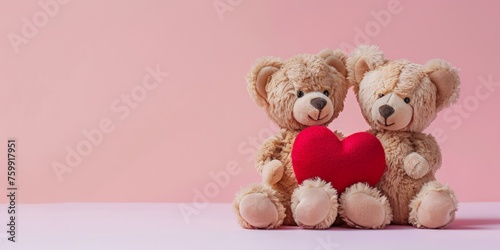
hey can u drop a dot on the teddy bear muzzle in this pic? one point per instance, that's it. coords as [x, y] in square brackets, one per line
[392, 112]
[313, 108]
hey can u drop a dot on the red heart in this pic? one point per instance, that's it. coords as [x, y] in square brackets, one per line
[317, 152]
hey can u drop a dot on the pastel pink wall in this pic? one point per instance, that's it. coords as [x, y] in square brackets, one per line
[73, 66]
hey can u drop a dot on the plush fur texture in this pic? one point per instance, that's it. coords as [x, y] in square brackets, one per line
[437, 207]
[277, 86]
[271, 196]
[365, 207]
[412, 156]
[313, 206]
[307, 73]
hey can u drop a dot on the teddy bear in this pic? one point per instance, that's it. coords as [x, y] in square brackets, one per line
[399, 100]
[305, 90]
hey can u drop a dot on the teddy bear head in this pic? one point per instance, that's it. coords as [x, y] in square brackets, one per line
[400, 95]
[305, 90]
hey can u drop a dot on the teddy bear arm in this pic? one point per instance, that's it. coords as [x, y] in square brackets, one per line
[428, 148]
[267, 152]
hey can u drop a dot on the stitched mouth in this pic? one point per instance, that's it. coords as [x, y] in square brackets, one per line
[319, 119]
[385, 123]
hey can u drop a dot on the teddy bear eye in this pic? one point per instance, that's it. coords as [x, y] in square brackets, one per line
[300, 94]
[326, 93]
[380, 95]
[407, 100]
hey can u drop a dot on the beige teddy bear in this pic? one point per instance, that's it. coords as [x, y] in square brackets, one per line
[399, 99]
[306, 90]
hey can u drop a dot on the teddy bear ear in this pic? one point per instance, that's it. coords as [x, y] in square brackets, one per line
[364, 58]
[335, 58]
[259, 76]
[446, 79]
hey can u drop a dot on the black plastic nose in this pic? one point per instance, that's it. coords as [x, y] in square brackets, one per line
[318, 102]
[386, 110]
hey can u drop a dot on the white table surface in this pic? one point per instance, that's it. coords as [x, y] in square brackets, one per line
[161, 226]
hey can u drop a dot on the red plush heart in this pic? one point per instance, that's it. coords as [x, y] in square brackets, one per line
[317, 152]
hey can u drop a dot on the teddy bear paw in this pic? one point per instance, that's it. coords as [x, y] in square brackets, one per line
[314, 204]
[436, 210]
[272, 172]
[362, 206]
[258, 211]
[415, 165]
[258, 206]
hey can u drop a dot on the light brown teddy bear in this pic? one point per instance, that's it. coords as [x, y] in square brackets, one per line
[306, 90]
[399, 99]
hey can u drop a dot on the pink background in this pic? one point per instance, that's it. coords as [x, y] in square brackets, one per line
[200, 118]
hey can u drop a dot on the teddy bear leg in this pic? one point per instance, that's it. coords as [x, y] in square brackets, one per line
[314, 204]
[362, 206]
[433, 207]
[258, 206]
